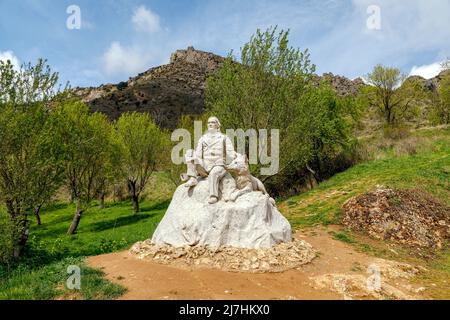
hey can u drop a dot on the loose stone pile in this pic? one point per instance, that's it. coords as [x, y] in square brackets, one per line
[410, 217]
[278, 258]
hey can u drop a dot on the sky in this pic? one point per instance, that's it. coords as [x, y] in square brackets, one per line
[107, 41]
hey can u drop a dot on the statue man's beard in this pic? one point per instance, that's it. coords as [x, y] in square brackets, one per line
[213, 130]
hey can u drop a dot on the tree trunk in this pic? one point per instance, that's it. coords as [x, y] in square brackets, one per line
[132, 187]
[37, 212]
[136, 208]
[22, 241]
[20, 233]
[102, 200]
[75, 221]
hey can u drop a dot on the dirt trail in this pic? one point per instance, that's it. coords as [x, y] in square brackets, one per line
[339, 272]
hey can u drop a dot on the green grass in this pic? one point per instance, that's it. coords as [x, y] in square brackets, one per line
[42, 272]
[343, 236]
[100, 231]
[428, 169]
[49, 282]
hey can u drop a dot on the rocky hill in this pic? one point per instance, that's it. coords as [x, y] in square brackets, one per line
[433, 83]
[166, 92]
[175, 89]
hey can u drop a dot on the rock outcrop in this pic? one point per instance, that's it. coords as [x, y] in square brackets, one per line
[342, 85]
[434, 83]
[431, 84]
[166, 92]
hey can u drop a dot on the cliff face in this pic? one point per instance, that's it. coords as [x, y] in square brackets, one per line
[166, 92]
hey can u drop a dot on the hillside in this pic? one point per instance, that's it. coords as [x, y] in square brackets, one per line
[166, 92]
[421, 160]
[175, 89]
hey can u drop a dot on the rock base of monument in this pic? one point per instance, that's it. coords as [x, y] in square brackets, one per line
[278, 258]
[252, 221]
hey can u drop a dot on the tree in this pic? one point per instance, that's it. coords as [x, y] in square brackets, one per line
[85, 146]
[271, 87]
[28, 159]
[142, 144]
[395, 98]
[109, 173]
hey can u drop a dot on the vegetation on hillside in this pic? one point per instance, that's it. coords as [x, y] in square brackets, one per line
[420, 160]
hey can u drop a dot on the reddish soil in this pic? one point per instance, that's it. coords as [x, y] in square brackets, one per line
[146, 279]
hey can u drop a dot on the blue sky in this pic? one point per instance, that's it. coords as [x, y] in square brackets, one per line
[120, 38]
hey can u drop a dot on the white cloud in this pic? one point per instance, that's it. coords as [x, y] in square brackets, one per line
[427, 71]
[145, 20]
[413, 33]
[9, 55]
[120, 60]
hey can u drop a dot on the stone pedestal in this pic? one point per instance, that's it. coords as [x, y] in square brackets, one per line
[250, 222]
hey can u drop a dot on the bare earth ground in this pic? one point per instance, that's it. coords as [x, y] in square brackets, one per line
[339, 272]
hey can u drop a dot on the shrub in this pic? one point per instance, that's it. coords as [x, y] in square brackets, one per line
[396, 132]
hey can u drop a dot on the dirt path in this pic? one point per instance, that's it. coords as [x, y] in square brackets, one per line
[339, 272]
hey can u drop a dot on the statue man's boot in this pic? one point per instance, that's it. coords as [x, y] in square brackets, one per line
[213, 199]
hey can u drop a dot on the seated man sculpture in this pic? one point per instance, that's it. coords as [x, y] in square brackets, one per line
[213, 151]
[195, 217]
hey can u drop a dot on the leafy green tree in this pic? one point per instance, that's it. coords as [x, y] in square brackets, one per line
[85, 142]
[110, 174]
[395, 98]
[271, 87]
[28, 159]
[143, 148]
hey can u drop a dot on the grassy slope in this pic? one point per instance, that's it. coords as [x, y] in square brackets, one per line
[42, 272]
[428, 169]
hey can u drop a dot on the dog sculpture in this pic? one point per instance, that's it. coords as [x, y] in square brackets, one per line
[245, 182]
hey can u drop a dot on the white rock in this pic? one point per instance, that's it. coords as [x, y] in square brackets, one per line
[250, 222]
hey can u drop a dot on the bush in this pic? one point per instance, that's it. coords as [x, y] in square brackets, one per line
[396, 132]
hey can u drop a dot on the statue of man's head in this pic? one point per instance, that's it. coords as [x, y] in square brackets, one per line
[213, 124]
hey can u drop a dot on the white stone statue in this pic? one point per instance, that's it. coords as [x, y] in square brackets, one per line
[214, 209]
[213, 151]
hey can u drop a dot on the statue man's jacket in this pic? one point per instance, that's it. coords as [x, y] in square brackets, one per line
[214, 149]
